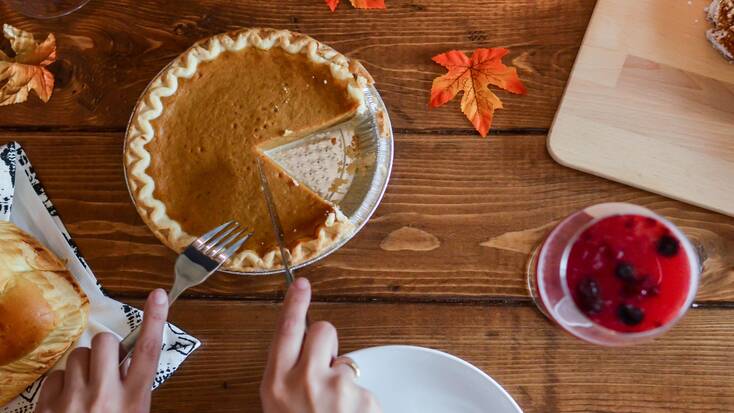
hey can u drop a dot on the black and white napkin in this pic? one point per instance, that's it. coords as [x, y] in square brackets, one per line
[23, 201]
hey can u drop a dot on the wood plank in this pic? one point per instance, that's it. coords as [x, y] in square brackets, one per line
[544, 369]
[110, 50]
[459, 220]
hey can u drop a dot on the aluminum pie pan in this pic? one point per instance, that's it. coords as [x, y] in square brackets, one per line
[374, 154]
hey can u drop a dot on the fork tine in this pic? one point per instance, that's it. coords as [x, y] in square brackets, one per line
[206, 237]
[216, 241]
[222, 245]
[236, 246]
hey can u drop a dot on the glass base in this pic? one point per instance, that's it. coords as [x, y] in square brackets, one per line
[532, 280]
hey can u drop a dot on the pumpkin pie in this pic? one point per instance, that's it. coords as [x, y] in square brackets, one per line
[193, 141]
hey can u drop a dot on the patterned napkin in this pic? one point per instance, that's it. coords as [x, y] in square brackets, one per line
[23, 201]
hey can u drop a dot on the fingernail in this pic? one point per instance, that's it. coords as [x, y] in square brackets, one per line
[159, 296]
[301, 283]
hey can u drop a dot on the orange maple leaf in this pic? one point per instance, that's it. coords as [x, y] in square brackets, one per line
[332, 4]
[359, 4]
[368, 4]
[474, 76]
[27, 70]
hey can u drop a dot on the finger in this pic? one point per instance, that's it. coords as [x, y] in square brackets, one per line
[343, 369]
[52, 388]
[148, 348]
[77, 370]
[369, 403]
[288, 339]
[320, 347]
[104, 359]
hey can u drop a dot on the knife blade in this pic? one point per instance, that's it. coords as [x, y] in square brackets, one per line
[275, 221]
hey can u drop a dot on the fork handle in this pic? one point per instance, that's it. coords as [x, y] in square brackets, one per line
[128, 343]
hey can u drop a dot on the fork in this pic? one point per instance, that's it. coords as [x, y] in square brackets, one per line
[194, 265]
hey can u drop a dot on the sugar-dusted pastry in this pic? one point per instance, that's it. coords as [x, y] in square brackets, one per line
[43, 311]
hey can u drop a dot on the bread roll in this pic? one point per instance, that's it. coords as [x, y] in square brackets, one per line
[42, 310]
[721, 14]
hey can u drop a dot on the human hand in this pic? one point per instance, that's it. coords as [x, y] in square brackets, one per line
[93, 382]
[299, 377]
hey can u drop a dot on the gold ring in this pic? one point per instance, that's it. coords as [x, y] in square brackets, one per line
[347, 362]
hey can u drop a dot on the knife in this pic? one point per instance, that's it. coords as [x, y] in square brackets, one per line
[275, 221]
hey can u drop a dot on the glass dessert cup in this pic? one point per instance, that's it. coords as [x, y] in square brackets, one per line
[614, 274]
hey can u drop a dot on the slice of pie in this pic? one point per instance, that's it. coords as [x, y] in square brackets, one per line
[193, 141]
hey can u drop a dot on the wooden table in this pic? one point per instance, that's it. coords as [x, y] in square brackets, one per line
[441, 263]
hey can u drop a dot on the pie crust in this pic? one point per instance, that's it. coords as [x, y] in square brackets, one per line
[152, 106]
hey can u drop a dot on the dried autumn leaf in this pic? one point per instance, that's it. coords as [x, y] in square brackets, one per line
[27, 70]
[473, 76]
[359, 4]
[332, 4]
[368, 4]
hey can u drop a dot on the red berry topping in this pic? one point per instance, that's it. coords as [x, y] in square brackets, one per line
[627, 273]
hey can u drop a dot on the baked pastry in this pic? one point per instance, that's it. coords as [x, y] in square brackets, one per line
[194, 139]
[721, 14]
[42, 310]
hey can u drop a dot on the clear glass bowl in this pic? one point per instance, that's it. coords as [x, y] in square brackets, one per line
[550, 291]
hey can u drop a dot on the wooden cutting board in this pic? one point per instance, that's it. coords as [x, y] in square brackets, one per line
[650, 103]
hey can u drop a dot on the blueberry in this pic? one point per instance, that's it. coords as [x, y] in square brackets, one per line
[668, 246]
[589, 296]
[630, 314]
[625, 272]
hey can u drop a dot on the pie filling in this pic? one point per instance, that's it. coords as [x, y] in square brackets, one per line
[208, 138]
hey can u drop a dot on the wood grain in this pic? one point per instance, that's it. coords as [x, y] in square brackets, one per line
[457, 223]
[544, 369]
[111, 49]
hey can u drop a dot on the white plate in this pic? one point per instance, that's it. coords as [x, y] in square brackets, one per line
[408, 379]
